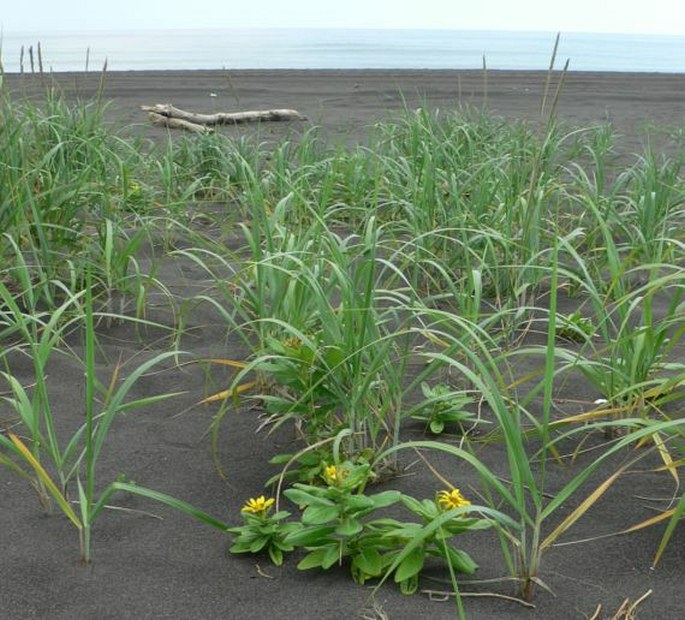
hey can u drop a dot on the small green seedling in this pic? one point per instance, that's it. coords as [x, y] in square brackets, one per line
[262, 531]
[575, 327]
[443, 406]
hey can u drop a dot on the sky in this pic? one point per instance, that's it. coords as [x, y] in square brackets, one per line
[626, 16]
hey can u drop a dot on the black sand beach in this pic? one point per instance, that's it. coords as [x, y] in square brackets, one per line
[152, 562]
[345, 103]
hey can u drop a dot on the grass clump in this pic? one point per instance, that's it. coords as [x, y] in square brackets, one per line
[462, 272]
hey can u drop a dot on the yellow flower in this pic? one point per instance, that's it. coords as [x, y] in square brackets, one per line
[333, 474]
[452, 499]
[258, 506]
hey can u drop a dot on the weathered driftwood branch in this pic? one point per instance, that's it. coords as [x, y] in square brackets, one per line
[177, 123]
[169, 116]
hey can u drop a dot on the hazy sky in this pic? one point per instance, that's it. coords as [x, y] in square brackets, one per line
[638, 16]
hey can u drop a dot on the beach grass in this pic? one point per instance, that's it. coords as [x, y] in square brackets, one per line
[449, 251]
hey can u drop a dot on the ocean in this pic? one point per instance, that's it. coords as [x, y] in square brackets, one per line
[338, 49]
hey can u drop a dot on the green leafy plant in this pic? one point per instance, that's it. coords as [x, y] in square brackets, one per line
[339, 523]
[332, 517]
[575, 327]
[306, 466]
[262, 530]
[442, 407]
[440, 521]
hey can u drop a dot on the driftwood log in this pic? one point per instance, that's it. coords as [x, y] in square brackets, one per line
[167, 115]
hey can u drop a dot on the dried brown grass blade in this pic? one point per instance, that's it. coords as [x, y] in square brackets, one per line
[665, 456]
[434, 471]
[225, 362]
[590, 415]
[45, 478]
[225, 394]
[649, 522]
[582, 509]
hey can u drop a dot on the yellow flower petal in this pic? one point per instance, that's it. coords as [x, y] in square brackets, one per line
[258, 505]
[452, 499]
[334, 473]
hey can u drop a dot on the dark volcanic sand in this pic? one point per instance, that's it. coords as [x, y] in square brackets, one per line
[145, 567]
[344, 103]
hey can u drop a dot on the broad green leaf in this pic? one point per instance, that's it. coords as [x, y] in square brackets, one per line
[412, 504]
[240, 547]
[276, 555]
[409, 586]
[406, 530]
[303, 498]
[258, 544]
[411, 565]
[369, 561]
[318, 515]
[349, 527]
[313, 559]
[386, 498]
[461, 561]
[358, 503]
[331, 556]
[309, 536]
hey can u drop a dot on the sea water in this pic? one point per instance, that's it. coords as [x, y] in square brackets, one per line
[339, 49]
